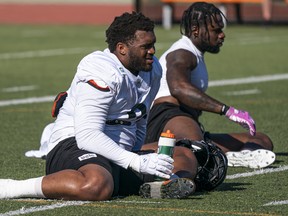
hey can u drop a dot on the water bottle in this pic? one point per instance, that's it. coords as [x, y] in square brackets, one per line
[166, 146]
[166, 143]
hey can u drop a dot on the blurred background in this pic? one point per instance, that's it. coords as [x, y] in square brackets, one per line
[104, 11]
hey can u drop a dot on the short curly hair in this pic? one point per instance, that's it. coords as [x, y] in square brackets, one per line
[197, 15]
[123, 28]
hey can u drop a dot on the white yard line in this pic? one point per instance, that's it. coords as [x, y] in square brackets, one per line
[243, 92]
[247, 80]
[27, 100]
[238, 81]
[44, 208]
[64, 204]
[282, 202]
[43, 53]
[257, 172]
[20, 88]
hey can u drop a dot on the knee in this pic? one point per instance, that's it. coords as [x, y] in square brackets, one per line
[183, 152]
[96, 189]
[267, 142]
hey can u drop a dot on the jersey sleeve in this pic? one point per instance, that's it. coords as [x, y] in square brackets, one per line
[91, 110]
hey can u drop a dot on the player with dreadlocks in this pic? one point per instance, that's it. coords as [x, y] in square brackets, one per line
[101, 124]
[182, 98]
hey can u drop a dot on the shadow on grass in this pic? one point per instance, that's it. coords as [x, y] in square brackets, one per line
[277, 161]
[281, 153]
[232, 186]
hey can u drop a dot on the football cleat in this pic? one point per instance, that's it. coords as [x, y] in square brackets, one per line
[253, 159]
[178, 188]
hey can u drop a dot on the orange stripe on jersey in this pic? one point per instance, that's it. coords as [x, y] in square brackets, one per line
[100, 85]
[58, 102]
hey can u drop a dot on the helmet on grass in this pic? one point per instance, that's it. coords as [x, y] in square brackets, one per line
[212, 163]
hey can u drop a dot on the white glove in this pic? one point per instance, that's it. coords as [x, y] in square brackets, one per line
[154, 164]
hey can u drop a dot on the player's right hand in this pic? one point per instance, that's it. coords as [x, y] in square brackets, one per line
[154, 164]
[243, 118]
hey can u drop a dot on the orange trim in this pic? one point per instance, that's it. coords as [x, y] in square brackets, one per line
[101, 88]
[58, 97]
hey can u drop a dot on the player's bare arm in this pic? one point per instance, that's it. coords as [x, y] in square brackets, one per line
[179, 64]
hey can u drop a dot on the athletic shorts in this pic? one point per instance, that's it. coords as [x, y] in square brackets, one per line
[67, 155]
[161, 113]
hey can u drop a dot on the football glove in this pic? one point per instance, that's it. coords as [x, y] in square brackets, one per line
[159, 165]
[243, 118]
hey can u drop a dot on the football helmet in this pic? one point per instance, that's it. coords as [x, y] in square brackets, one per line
[212, 163]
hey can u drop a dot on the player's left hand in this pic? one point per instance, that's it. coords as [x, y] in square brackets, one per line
[243, 118]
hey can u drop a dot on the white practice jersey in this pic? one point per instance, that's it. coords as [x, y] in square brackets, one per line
[199, 76]
[106, 107]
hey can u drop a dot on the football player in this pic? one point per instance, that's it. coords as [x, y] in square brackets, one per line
[182, 98]
[100, 127]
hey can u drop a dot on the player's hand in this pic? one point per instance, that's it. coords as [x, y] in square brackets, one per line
[243, 118]
[154, 164]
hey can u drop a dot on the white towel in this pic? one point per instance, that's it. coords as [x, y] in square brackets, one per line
[44, 143]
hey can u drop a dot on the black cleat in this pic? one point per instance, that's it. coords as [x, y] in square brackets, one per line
[170, 189]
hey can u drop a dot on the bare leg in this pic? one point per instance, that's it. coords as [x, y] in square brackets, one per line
[258, 149]
[90, 182]
[185, 164]
[184, 127]
[241, 141]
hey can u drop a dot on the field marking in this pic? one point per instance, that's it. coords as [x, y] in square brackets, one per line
[179, 210]
[64, 204]
[247, 80]
[102, 204]
[282, 202]
[257, 172]
[43, 53]
[243, 92]
[238, 81]
[19, 88]
[27, 100]
[43, 208]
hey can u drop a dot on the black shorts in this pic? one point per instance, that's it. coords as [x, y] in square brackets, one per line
[161, 113]
[67, 155]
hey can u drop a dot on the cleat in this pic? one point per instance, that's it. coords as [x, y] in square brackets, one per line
[171, 189]
[253, 159]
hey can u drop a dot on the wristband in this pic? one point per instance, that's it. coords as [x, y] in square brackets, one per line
[224, 109]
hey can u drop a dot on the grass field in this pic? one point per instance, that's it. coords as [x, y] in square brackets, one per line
[40, 61]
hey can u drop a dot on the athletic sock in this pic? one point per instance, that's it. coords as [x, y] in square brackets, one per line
[174, 176]
[10, 188]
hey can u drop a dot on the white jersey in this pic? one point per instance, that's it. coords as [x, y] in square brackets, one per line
[106, 107]
[199, 76]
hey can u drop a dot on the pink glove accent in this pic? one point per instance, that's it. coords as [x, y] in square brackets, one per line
[243, 118]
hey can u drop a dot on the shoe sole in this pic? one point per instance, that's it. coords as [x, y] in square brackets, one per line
[170, 189]
[255, 159]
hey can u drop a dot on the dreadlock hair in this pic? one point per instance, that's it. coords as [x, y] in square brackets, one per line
[199, 14]
[123, 28]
